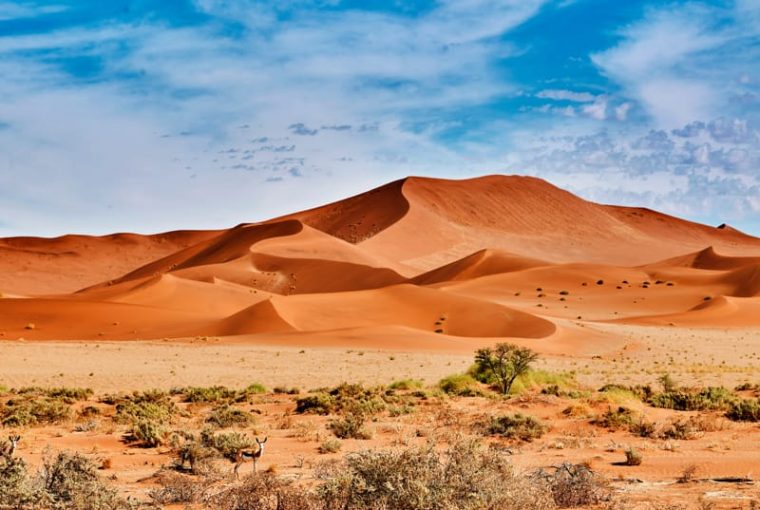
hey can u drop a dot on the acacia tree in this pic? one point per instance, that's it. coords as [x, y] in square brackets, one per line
[505, 362]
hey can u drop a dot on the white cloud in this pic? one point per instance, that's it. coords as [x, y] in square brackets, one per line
[112, 154]
[566, 95]
[621, 111]
[596, 110]
[16, 10]
[674, 62]
[706, 170]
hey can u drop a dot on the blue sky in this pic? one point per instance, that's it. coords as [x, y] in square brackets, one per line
[136, 115]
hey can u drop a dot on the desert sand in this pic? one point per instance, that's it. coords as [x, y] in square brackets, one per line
[404, 281]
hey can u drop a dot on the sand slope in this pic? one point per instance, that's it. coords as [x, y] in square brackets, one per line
[492, 257]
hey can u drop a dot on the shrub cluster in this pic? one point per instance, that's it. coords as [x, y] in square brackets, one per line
[515, 426]
[710, 398]
[65, 482]
[350, 398]
[744, 410]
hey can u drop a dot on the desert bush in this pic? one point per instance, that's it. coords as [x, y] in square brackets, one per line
[744, 410]
[227, 444]
[330, 445]
[16, 489]
[346, 398]
[192, 452]
[353, 398]
[747, 386]
[633, 457]
[515, 426]
[30, 410]
[218, 394]
[400, 410]
[261, 491]
[461, 385]
[711, 398]
[615, 419]
[350, 426]
[406, 384]
[465, 477]
[638, 392]
[147, 433]
[574, 485]
[68, 395]
[643, 427]
[284, 390]
[503, 363]
[690, 428]
[178, 488]
[226, 416]
[209, 394]
[151, 405]
[70, 481]
[667, 382]
[318, 403]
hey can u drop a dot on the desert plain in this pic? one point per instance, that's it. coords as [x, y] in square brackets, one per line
[628, 309]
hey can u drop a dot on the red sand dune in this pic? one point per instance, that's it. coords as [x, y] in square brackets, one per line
[32, 265]
[492, 257]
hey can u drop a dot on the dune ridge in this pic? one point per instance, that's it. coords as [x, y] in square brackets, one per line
[476, 259]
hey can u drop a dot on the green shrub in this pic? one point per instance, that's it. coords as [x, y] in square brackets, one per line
[226, 443]
[502, 364]
[349, 398]
[515, 426]
[406, 384]
[744, 410]
[711, 398]
[461, 385]
[209, 394]
[318, 403]
[284, 390]
[226, 416]
[638, 392]
[255, 389]
[330, 445]
[620, 418]
[152, 405]
[350, 426]
[30, 410]
[146, 432]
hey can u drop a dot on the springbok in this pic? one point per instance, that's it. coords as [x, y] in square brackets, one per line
[8, 448]
[244, 455]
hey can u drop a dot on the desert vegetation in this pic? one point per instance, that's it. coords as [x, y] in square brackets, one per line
[477, 439]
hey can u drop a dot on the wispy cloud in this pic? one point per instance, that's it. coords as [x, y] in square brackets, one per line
[682, 62]
[143, 120]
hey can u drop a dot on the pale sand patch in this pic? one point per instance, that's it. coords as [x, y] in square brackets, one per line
[693, 356]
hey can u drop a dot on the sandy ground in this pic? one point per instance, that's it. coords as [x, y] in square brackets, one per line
[699, 357]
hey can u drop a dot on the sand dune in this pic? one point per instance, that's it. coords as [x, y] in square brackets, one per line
[428, 310]
[724, 312]
[35, 266]
[481, 263]
[492, 257]
[708, 259]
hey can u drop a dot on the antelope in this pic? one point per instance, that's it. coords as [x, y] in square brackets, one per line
[243, 455]
[8, 448]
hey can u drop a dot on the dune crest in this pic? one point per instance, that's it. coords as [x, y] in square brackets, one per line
[474, 260]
